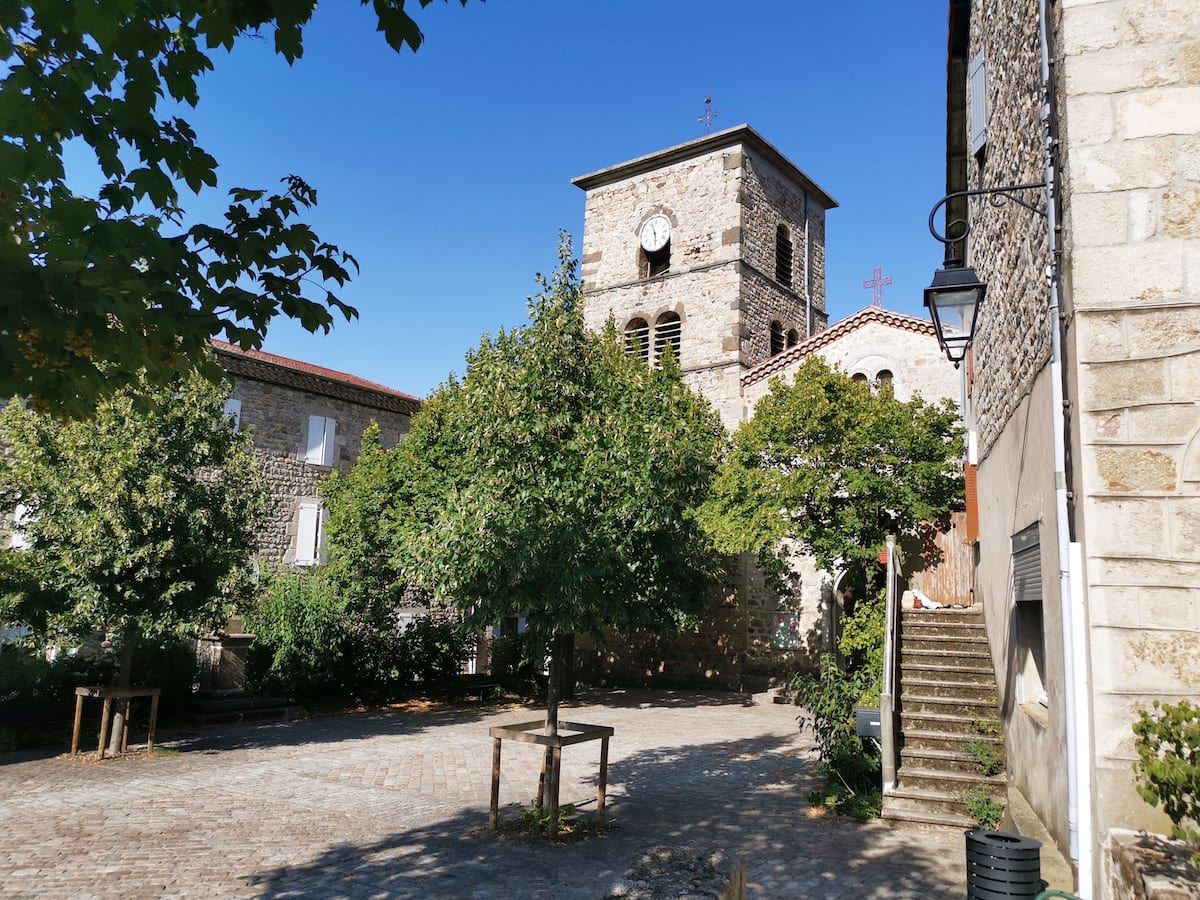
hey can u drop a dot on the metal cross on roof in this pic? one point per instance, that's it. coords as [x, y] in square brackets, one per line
[876, 284]
[709, 113]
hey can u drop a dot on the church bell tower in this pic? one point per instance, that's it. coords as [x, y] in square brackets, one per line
[713, 250]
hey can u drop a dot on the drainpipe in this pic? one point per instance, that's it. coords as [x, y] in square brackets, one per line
[1070, 556]
[808, 329]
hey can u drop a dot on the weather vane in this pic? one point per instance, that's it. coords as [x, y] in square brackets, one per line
[876, 284]
[709, 113]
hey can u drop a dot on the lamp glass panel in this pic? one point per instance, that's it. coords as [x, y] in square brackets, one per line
[956, 309]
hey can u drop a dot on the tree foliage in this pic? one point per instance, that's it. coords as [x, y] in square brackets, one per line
[1167, 741]
[140, 521]
[830, 464]
[97, 289]
[557, 479]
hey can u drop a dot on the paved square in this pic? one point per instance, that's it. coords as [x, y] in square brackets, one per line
[383, 805]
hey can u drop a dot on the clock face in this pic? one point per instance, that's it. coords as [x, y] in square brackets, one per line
[655, 233]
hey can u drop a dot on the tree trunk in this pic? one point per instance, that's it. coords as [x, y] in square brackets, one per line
[561, 649]
[121, 706]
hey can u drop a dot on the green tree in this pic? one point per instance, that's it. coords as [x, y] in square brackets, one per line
[99, 291]
[830, 465]
[140, 521]
[835, 467]
[557, 480]
[361, 505]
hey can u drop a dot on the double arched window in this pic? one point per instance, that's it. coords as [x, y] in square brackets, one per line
[780, 341]
[667, 334]
[881, 382]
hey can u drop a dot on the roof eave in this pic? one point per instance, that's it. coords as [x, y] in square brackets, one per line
[739, 134]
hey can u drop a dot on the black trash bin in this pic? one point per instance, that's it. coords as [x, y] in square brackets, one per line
[1003, 866]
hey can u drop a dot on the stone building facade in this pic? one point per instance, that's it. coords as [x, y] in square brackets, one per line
[739, 290]
[1085, 389]
[307, 421]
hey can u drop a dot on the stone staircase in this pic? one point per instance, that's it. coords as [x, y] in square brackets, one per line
[947, 700]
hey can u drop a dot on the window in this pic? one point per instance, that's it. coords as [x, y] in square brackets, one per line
[321, 431]
[783, 256]
[1030, 628]
[883, 380]
[233, 408]
[859, 377]
[637, 339]
[310, 534]
[510, 625]
[793, 337]
[666, 334]
[776, 337]
[977, 122]
[654, 262]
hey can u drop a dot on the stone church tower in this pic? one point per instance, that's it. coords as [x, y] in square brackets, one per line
[715, 248]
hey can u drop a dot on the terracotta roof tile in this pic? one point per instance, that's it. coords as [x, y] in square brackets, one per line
[309, 369]
[781, 361]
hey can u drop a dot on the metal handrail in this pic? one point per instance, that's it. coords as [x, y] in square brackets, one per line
[891, 641]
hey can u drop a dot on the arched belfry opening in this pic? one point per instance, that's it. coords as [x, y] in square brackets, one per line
[667, 333]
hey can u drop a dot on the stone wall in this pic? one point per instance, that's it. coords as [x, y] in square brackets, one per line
[770, 199]
[739, 644]
[1127, 99]
[277, 415]
[1130, 80]
[1008, 244]
[1011, 400]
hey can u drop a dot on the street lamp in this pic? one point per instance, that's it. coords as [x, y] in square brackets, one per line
[954, 297]
[953, 301]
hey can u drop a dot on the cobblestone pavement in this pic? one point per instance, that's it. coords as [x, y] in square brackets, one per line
[387, 805]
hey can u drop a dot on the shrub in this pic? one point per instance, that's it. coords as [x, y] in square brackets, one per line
[1168, 765]
[37, 697]
[436, 647]
[983, 808]
[862, 641]
[831, 698]
[310, 642]
[988, 760]
[515, 660]
[297, 623]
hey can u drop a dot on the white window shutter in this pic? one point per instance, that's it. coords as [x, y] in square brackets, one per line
[977, 90]
[315, 449]
[233, 408]
[306, 533]
[330, 433]
[319, 449]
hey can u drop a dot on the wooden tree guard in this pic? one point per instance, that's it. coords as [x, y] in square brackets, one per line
[525, 732]
[108, 695]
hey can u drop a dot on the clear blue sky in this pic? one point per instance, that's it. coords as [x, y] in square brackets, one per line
[447, 172]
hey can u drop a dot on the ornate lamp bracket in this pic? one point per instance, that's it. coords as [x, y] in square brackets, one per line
[997, 196]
